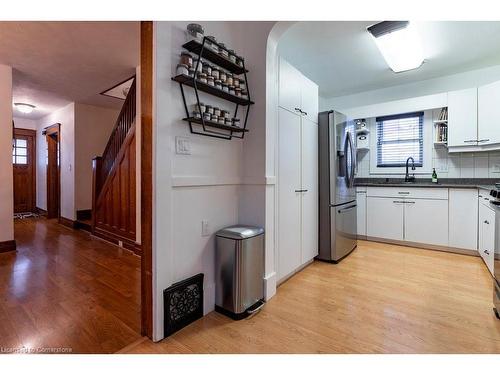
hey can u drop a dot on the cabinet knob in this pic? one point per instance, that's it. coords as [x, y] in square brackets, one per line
[486, 222]
[487, 252]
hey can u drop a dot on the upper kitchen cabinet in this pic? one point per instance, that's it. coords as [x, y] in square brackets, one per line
[297, 93]
[489, 114]
[462, 118]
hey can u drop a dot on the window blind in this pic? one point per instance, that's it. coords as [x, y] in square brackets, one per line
[398, 138]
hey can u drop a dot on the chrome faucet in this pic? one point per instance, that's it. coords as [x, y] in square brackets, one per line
[407, 176]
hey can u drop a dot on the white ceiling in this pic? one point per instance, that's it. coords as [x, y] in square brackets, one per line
[56, 63]
[342, 58]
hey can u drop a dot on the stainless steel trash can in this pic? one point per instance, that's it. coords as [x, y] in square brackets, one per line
[239, 271]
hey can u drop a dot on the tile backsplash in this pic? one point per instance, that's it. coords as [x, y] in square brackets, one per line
[454, 165]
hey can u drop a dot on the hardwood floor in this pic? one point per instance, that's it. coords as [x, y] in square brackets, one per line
[65, 289]
[381, 299]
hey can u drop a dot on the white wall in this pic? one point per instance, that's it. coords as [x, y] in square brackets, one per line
[421, 88]
[206, 185]
[6, 172]
[66, 117]
[25, 123]
[93, 127]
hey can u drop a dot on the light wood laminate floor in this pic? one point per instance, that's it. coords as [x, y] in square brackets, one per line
[381, 299]
[65, 289]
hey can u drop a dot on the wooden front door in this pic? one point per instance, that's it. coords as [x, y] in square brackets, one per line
[53, 172]
[24, 160]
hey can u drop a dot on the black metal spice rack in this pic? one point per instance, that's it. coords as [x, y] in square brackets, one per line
[202, 51]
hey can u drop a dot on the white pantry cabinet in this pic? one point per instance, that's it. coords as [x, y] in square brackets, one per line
[384, 218]
[426, 221]
[297, 93]
[463, 217]
[462, 118]
[489, 114]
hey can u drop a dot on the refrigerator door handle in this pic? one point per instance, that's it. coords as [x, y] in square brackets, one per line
[353, 159]
[347, 171]
[348, 208]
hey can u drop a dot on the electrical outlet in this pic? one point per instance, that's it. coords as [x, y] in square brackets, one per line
[182, 146]
[204, 228]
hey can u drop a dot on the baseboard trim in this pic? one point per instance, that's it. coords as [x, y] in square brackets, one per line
[115, 240]
[83, 214]
[6, 246]
[423, 246]
[269, 286]
[40, 211]
[294, 272]
[67, 222]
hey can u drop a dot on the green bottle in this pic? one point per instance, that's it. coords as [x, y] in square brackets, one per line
[434, 176]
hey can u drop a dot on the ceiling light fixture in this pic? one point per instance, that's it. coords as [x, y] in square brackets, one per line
[24, 107]
[399, 43]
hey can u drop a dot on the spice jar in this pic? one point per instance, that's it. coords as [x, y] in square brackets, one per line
[244, 94]
[236, 122]
[196, 114]
[223, 51]
[229, 79]
[225, 114]
[222, 75]
[236, 81]
[199, 65]
[195, 32]
[207, 69]
[215, 72]
[237, 91]
[225, 87]
[228, 121]
[203, 108]
[217, 111]
[240, 61]
[202, 77]
[214, 118]
[243, 84]
[231, 90]
[210, 81]
[182, 69]
[222, 120]
[186, 58]
[191, 72]
[207, 116]
[210, 109]
[232, 56]
[211, 42]
[218, 84]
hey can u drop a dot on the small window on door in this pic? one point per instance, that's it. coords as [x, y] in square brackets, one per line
[20, 151]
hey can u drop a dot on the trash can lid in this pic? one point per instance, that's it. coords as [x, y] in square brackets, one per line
[240, 232]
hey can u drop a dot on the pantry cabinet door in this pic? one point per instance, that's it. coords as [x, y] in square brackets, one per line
[489, 114]
[289, 201]
[310, 203]
[462, 118]
[426, 221]
[309, 99]
[290, 81]
[384, 218]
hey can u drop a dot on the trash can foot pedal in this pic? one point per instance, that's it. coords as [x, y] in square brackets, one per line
[255, 308]
[245, 314]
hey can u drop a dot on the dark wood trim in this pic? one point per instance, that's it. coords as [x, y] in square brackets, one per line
[67, 222]
[147, 178]
[30, 133]
[112, 87]
[81, 225]
[49, 130]
[114, 239]
[6, 246]
[83, 214]
[40, 211]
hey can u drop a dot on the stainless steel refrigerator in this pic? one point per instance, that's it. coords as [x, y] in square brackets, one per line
[337, 194]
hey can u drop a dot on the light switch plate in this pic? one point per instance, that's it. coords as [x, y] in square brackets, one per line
[182, 146]
[204, 228]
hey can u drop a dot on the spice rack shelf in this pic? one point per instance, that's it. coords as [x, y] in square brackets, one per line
[212, 124]
[189, 81]
[201, 126]
[196, 47]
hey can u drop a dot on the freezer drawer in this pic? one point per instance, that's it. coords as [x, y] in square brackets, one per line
[343, 230]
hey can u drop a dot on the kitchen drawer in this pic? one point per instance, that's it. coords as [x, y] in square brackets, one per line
[407, 192]
[484, 197]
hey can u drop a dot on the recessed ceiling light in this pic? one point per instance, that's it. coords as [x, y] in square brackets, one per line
[399, 43]
[24, 107]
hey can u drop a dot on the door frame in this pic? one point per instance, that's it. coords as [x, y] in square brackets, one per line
[147, 178]
[47, 131]
[30, 133]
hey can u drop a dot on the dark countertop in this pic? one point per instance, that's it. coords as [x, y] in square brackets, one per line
[472, 183]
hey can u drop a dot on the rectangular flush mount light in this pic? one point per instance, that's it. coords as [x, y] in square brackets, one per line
[399, 43]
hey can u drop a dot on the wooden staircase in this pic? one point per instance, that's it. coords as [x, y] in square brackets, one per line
[114, 181]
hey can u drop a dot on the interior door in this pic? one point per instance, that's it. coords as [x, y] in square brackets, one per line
[23, 159]
[53, 172]
[310, 196]
[290, 81]
[289, 192]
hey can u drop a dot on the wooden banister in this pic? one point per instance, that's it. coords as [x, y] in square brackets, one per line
[119, 133]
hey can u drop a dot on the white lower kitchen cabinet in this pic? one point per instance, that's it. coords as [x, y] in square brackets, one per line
[463, 217]
[426, 221]
[361, 212]
[487, 239]
[384, 218]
